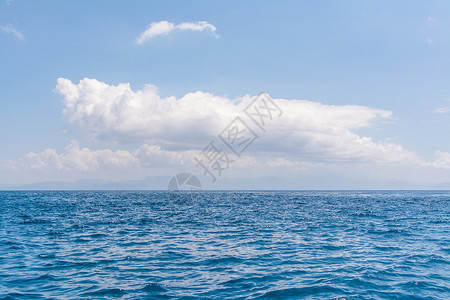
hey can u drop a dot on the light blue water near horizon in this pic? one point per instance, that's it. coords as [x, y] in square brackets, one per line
[225, 245]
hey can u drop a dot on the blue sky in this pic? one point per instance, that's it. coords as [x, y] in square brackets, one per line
[383, 55]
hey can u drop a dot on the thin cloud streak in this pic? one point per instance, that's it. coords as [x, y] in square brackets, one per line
[442, 110]
[165, 27]
[11, 30]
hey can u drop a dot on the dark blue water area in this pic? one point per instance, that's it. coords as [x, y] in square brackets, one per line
[225, 245]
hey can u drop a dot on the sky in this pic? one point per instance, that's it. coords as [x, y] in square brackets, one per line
[119, 90]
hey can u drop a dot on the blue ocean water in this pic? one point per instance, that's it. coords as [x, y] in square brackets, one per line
[225, 245]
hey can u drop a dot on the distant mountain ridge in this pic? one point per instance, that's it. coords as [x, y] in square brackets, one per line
[262, 183]
[149, 183]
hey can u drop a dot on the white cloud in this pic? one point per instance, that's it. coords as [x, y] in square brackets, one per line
[308, 131]
[164, 27]
[11, 30]
[118, 114]
[442, 110]
[442, 160]
[152, 156]
[284, 163]
[74, 158]
[83, 159]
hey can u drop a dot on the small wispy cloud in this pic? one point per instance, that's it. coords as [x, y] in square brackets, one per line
[11, 30]
[165, 27]
[442, 110]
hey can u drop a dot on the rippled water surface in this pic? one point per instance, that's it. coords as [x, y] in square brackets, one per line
[225, 245]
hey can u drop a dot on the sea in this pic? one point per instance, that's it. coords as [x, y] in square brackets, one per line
[225, 245]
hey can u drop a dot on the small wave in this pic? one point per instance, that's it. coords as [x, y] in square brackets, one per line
[34, 221]
[114, 292]
[153, 287]
[16, 295]
[224, 260]
[301, 292]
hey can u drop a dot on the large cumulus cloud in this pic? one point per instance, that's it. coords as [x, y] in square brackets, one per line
[307, 130]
